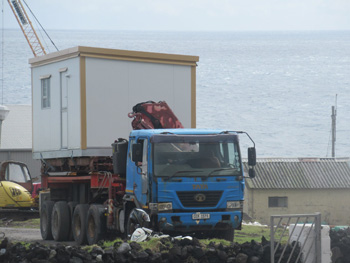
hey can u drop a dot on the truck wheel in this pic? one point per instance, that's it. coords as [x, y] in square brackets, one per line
[131, 225]
[79, 223]
[228, 234]
[71, 206]
[96, 224]
[45, 220]
[60, 223]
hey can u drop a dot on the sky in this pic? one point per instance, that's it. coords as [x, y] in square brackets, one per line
[187, 15]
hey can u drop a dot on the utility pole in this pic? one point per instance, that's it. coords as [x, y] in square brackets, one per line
[334, 123]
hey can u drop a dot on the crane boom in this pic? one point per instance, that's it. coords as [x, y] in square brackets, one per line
[27, 27]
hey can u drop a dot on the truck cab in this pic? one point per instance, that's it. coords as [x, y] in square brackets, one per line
[188, 180]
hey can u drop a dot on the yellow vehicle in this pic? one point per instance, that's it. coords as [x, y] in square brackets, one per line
[16, 186]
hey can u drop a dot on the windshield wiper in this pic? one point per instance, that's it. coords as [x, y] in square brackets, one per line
[180, 172]
[218, 170]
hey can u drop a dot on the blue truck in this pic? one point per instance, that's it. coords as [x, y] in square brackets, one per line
[188, 180]
[177, 181]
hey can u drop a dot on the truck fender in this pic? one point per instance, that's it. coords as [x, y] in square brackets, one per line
[140, 216]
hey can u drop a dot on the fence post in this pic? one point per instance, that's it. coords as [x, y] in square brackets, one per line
[272, 240]
[318, 238]
[315, 228]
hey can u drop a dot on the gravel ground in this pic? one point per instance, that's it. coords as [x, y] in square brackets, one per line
[26, 234]
[20, 234]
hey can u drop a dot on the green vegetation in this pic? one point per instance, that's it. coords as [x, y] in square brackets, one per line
[25, 244]
[215, 240]
[30, 223]
[111, 243]
[155, 245]
[249, 233]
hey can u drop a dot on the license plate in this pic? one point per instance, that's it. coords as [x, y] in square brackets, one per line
[198, 216]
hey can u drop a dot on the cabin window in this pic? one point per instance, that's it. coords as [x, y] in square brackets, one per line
[277, 201]
[17, 173]
[45, 92]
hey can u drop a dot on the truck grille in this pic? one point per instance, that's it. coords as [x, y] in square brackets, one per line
[195, 199]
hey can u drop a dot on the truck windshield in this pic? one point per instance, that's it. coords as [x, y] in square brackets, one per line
[199, 158]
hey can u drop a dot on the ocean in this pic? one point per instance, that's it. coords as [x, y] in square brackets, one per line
[277, 86]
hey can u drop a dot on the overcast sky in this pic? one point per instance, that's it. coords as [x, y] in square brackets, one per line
[218, 15]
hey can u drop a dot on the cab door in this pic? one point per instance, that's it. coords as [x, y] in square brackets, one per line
[138, 173]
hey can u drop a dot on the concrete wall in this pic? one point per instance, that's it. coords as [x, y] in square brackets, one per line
[331, 203]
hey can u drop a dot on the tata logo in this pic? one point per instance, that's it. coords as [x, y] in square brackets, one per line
[199, 186]
[199, 197]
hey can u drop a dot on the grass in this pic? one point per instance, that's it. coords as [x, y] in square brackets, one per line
[25, 244]
[155, 245]
[215, 240]
[249, 233]
[30, 223]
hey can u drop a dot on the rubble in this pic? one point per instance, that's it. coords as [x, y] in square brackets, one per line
[340, 245]
[168, 250]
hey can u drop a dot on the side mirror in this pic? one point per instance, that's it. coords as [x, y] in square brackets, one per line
[137, 152]
[251, 173]
[251, 156]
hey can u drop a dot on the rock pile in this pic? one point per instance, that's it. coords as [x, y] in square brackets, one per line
[340, 245]
[168, 250]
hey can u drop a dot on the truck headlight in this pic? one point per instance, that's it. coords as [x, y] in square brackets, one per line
[234, 204]
[161, 206]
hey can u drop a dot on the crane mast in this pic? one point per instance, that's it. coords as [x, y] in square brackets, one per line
[27, 27]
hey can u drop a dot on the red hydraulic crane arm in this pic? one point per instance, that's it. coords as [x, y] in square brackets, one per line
[27, 27]
[154, 115]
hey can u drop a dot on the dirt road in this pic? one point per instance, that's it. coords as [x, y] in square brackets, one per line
[20, 234]
[26, 235]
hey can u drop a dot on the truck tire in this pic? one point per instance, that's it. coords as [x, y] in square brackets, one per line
[131, 225]
[60, 223]
[71, 206]
[96, 224]
[228, 234]
[45, 220]
[79, 223]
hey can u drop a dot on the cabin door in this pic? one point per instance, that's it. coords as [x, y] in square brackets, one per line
[64, 80]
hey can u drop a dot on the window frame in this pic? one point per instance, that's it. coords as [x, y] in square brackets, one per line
[45, 88]
[278, 201]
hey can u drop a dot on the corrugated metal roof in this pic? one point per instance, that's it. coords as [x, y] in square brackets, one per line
[301, 173]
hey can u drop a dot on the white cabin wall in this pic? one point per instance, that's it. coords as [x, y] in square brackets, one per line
[158, 82]
[113, 87]
[182, 100]
[47, 122]
[74, 105]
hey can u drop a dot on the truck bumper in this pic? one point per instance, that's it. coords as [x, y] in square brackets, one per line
[184, 222]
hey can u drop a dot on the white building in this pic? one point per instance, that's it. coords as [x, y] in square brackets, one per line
[16, 138]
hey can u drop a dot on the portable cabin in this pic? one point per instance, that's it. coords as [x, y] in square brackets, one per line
[82, 95]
